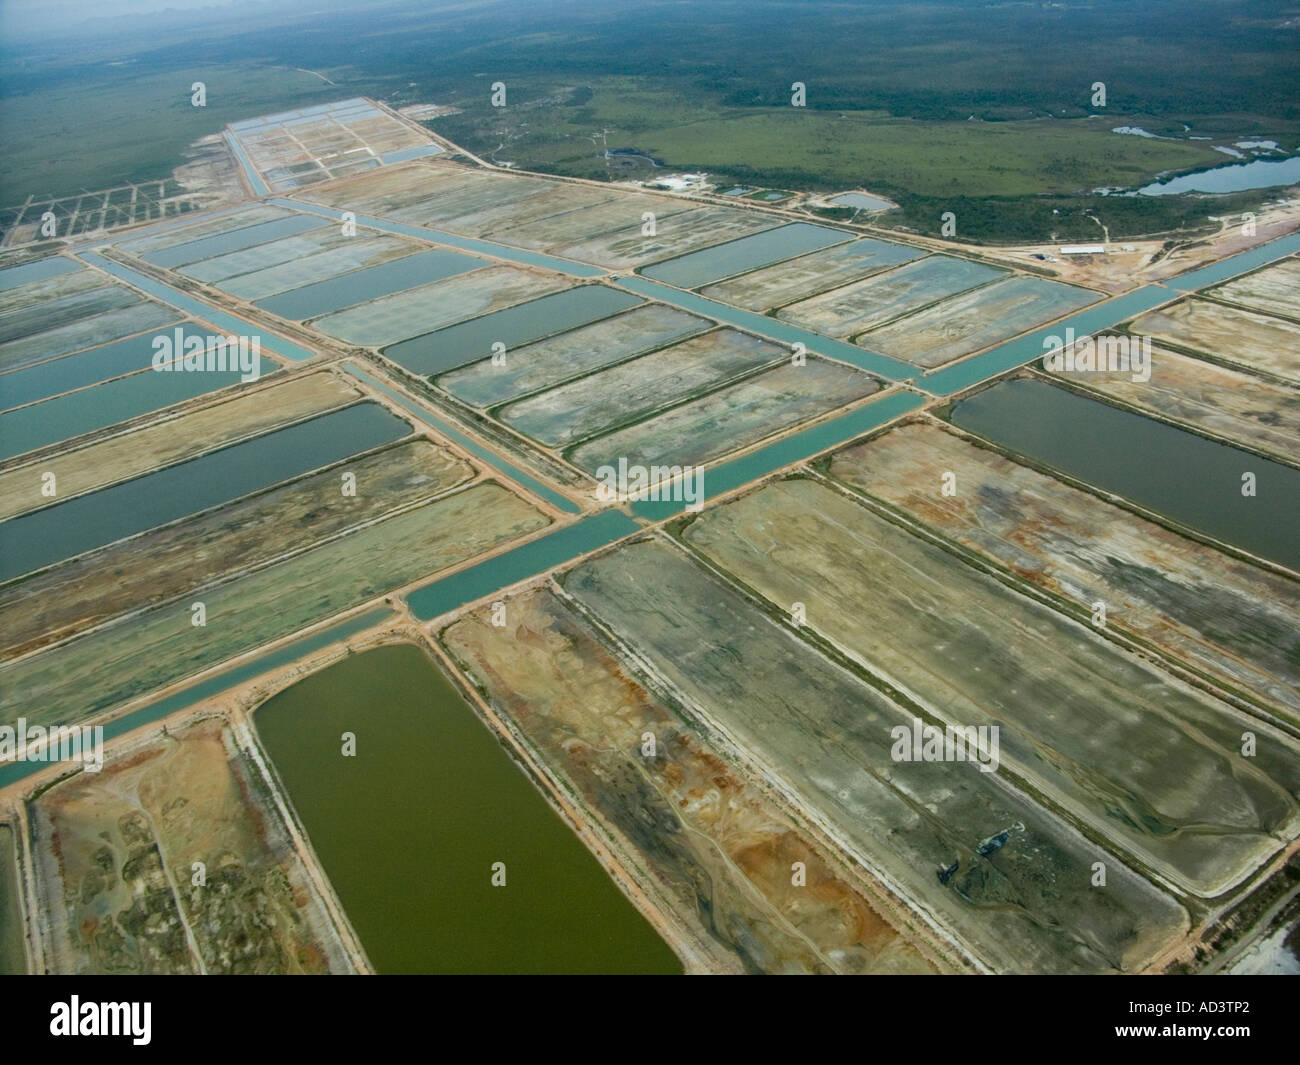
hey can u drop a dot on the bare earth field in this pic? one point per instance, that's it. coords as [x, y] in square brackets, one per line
[621, 214]
[730, 418]
[720, 850]
[1223, 616]
[117, 868]
[1150, 764]
[1242, 337]
[822, 736]
[675, 235]
[13, 959]
[137, 655]
[1273, 290]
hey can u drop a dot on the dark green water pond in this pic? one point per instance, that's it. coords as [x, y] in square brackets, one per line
[409, 828]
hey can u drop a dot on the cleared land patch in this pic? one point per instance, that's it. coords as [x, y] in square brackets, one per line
[1224, 616]
[711, 839]
[796, 279]
[13, 955]
[675, 235]
[823, 735]
[1273, 290]
[118, 867]
[1244, 338]
[550, 362]
[871, 302]
[730, 418]
[621, 213]
[631, 390]
[1151, 764]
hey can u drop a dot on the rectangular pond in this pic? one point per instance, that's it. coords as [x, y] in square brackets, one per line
[410, 830]
[53, 533]
[1171, 471]
[629, 391]
[64, 417]
[49, 314]
[85, 333]
[796, 279]
[456, 345]
[371, 283]
[53, 376]
[863, 305]
[234, 240]
[740, 256]
[39, 270]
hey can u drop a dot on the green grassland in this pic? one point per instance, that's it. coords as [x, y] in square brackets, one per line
[827, 150]
[128, 124]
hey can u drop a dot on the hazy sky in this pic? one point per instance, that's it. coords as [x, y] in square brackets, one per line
[29, 15]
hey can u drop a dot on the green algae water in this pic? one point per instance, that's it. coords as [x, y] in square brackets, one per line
[409, 828]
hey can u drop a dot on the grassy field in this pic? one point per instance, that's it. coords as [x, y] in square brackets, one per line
[793, 147]
[139, 126]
